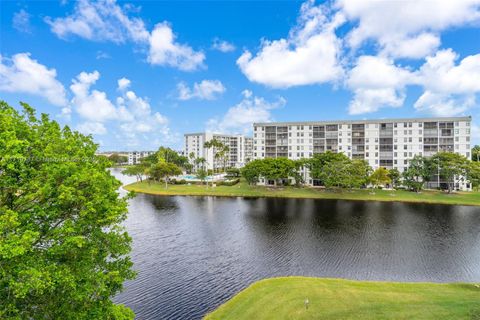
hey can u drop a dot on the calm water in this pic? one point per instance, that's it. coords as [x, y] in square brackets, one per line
[194, 253]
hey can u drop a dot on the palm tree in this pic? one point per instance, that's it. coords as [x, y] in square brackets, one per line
[191, 157]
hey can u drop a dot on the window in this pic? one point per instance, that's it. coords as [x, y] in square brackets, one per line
[405, 132]
[468, 124]
[404, 154]
[405, 147]
[405, 161]
[410, 139]
[468, 131]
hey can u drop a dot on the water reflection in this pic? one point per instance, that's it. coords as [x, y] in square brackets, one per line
[193, 253]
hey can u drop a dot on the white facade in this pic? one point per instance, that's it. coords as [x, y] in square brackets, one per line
[240, 149]
[388, 143]
[135, 156]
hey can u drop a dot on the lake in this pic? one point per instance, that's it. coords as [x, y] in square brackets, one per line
[194, 253]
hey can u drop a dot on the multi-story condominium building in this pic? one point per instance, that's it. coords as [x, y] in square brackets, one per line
[135, 156]
[388, 143]
[240, 149]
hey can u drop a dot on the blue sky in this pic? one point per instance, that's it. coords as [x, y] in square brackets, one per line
[137, 75]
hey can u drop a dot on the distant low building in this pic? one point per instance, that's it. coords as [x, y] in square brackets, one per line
[240, 149]
[135, 156]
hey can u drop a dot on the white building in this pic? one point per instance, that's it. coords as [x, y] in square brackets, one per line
[388, 143]
[135, 156]
[240, 149]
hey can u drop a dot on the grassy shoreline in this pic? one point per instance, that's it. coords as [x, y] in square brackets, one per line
[283, 298]
[244, 190]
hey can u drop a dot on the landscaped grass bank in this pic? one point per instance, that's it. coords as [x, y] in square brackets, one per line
[244, 190]
[283, 298]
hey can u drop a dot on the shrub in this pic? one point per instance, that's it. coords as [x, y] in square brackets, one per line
[228, 183]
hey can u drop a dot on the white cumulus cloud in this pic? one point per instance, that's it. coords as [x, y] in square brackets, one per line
[396, 24]
[96, 128]
[450, 88]
[204, 90]
[239, 118]
[377, 82]
[101, 20]
[23, 74]
[222, 45]
[164, 50]
[21, 21]
[92, 105]
[310, 55]
[123, 83]
[105, 20]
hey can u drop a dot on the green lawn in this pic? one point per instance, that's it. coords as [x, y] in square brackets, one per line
[283, 298]
[244, 190]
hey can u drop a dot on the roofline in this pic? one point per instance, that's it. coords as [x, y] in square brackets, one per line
[216, 133]
[466, 118]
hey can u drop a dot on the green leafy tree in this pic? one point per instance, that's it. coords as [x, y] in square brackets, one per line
[474, 174]
[202, 175]
[450, 166]
[252, 171]
[476, 153]
[117, 158]
[63, 250]
[418, 173]
[380, 177]
[136, 170]
[319, 161]
[164, 170]
[394, 176]
[172, 156]
[278, 169]
[357, 172]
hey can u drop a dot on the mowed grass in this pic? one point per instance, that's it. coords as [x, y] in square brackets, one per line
[244, 190]
[283, 298]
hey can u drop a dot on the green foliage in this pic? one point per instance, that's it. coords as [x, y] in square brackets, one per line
[202, 174]
[394, 176]
[233, 173]
[476, 153]
[450, 166]
[220, 151]
[418, 173]
[337, 170]
[171, 156]
[118, 159]
[380, 177]
[137, 170]
[252, 171]
[63, 250]
[278, 169]
[228, 183]
[163, 170]
[474, 174]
